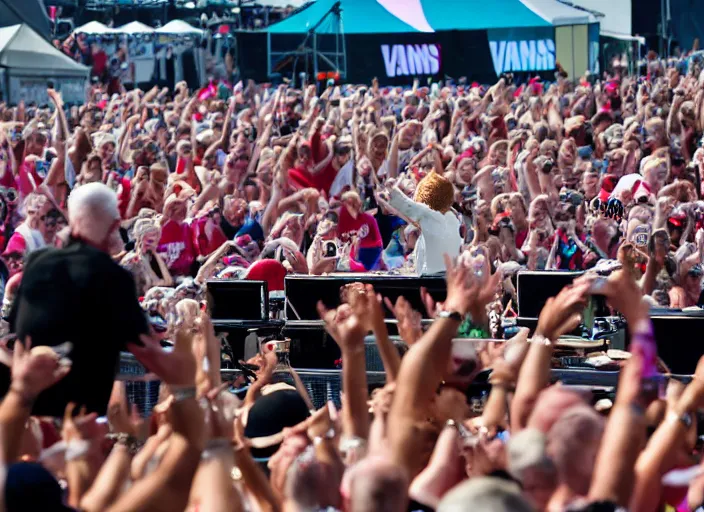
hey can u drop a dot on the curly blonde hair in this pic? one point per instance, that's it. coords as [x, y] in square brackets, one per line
[435, 191]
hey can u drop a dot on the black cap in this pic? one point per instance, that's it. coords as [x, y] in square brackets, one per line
[269, 415]
[30, 486]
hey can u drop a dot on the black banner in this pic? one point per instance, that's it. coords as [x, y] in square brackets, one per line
[395, 59]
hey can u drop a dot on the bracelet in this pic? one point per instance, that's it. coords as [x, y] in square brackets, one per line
[348, 444]
[181, 394]
[540, 340]
[76, 449]
[327, 436]
[132, 444]
[218, 444]
[216, 447]
[507, 386]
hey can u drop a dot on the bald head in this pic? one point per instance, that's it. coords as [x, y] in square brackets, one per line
[93, 214]
[376, 484]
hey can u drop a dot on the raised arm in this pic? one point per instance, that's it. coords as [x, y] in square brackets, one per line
[424, 366]
[372, 311]
[31, 374]
[168, 487]
[559, 316]
[408, 207]
[348, 331]
[56, 172]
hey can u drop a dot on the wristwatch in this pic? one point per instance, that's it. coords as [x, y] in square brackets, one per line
[453, 315]
[685, 418]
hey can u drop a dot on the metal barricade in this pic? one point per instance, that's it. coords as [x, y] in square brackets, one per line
[142, 389]
[322, 385]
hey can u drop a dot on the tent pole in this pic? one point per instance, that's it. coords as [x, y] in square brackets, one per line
[315, 55]
[268, 47]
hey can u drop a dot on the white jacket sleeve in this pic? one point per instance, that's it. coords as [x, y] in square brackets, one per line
[408, 207]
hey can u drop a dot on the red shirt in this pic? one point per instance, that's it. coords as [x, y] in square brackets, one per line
[29, 179]
[176, 247]
[206, 239]
[301, 177]
[364, 226]
[124, 190]
[100, 63]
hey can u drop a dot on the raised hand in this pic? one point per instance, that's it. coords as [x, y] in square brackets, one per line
[36, 370]
[366, 305]
[220, 426]
[343, 326]
[175, 368]
[83, 426]
[561, 314]
[122, 418]
[621, 291]
[467, 292]
[431, 307]
[408, 319]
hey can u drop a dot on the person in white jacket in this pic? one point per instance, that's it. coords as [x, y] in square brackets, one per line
[431, 212]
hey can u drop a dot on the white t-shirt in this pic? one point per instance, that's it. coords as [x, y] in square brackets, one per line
[440, 233]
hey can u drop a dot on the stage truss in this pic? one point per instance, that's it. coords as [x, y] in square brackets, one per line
[321, 51]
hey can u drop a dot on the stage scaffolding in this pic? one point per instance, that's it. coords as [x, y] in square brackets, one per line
[322, 49]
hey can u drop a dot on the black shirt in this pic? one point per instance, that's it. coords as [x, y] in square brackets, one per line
[78, 294]
[227, 228]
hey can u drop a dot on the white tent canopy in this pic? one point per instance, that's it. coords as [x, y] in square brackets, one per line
[179, 27]
[558, 13]
[28, 61]
[94, 27]
[617, 15]
[135, 27]
[23, 50]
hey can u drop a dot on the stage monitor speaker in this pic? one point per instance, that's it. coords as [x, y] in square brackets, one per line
[536, 287]
[304, 292]
[238, 299]
[676, 335]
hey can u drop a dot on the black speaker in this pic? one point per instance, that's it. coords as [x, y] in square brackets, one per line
[676, 335]
[304, 292]
[235, 299]
[534, 288]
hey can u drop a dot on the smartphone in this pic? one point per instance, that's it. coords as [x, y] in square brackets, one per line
[330, 249]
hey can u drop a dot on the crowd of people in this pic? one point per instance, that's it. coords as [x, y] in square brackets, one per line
[115, 213]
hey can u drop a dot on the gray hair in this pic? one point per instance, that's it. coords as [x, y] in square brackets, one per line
[92, 211]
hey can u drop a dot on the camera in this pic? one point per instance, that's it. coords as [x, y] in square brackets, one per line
[547, 166]
[330, 249]
[506, 222]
